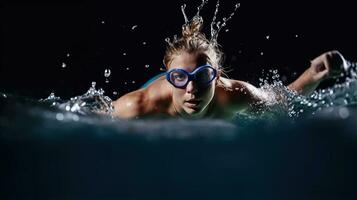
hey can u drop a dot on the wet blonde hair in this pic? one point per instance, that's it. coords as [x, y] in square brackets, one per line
[194, 41]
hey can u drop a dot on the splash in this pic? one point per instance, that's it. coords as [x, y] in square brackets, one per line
[52, 99]
[216, 26]
[92, 102]
[285, 103]
[199, 8]
[183, 7]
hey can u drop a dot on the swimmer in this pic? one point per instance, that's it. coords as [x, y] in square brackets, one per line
[194, 85]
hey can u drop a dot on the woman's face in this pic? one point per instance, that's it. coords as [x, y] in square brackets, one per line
[191, 101]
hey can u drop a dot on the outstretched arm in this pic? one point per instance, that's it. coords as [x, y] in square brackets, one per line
[327, 65]
[245, 97]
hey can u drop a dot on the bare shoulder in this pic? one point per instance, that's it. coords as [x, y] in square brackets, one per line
[142, 102]
[237, 95]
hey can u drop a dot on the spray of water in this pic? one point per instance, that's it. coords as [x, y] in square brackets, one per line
[288, 104]
[183, 7]
[92, 102]
[216, 26]
[199, 8]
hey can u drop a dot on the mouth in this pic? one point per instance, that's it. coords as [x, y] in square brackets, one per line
[192, 103]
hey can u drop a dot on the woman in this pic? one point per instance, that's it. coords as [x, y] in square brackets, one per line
[194, 86]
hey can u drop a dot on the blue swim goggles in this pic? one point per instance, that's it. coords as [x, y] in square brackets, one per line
[202, 76]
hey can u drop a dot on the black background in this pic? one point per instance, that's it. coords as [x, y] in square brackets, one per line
[36, 37]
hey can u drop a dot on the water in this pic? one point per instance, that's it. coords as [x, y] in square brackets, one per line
[107, 73]
[68, 150]
[215, 25]
[298, 148]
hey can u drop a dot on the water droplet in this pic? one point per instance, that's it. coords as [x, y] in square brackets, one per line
[107, 73]
[134, 27]
[64, 65]
[344, 113]
[75, 117]
[147, 66]
[59, 116]
[93, 84]
[101, 91]
[52, 96]
[75, 107]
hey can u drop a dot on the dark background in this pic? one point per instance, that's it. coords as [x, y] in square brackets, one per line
[36, 37]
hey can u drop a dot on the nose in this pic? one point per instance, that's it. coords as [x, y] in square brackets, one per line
[191, 87]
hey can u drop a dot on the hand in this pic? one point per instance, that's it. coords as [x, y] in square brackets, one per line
[328, 65]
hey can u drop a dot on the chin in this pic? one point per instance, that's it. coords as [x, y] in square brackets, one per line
[193, 111]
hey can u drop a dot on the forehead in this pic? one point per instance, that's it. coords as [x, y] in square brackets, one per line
[188, 61]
